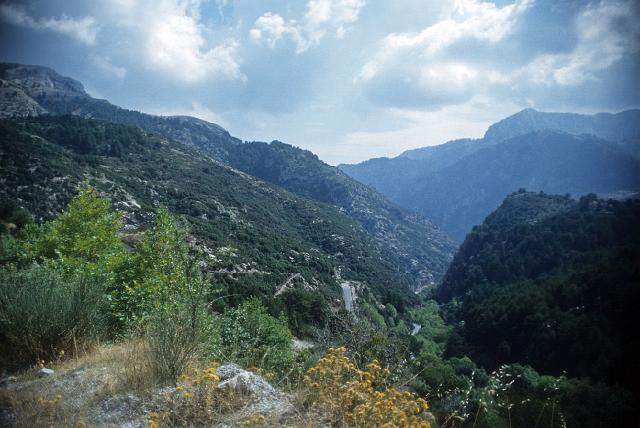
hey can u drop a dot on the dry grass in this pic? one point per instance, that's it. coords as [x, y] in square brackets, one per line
[114, 384]
[133, 372]
[70, 396]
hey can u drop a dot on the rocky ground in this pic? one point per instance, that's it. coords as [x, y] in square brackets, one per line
[106, 388]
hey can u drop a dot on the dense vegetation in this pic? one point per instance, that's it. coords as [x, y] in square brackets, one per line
[417, 249]
[416, 245]
[70, 281]
[75, 269]
[257, 236]
[550, 282]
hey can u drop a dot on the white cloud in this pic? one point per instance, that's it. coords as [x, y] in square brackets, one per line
[271, 28]
[104, 65]
[415, 70]
[606, 32]
[322, 17]
[82, 29]
[453, 77]
[334, 15]
[175, 41]
[470, 19]
[424, 128]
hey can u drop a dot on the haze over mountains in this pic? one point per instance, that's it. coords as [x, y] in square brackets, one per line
[458, 183]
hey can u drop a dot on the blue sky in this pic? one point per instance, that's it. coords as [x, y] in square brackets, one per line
[347, 79]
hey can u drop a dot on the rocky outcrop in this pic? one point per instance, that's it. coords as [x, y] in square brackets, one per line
[263, 399]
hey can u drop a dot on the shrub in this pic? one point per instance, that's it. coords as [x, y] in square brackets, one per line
[173, 341]
[197, 401]
[43, 313]
[354, 397]
[366, 343]
[253, 338]
[10, 250]
[179, 322]
[12, 217]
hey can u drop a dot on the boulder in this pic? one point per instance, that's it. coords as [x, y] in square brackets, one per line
[44, 372]
[264, 399]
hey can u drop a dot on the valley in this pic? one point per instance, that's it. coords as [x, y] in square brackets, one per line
[494, 278]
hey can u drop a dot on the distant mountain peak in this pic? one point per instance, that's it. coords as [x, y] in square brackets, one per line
[39, 80]
[528, 110]
[610, 126]
[457, 183]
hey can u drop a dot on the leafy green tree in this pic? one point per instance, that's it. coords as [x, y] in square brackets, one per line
[157, 274]
[163, 257]
[83, 237]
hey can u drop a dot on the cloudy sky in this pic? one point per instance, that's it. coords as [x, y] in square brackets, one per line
[347, 79]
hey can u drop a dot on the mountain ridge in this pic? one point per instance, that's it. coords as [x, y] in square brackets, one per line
[417, 179]
[254, 234]
[424, 250]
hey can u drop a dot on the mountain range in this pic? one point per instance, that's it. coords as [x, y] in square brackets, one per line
[458, 183]
[198, 169]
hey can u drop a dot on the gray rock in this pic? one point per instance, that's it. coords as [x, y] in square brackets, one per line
[120, 411]
[8, 380]
[301, 345]
[8, 418]
[264, 398]
[43, 372]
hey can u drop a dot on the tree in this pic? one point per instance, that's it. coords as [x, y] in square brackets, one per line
[158, 274]
[83, 237]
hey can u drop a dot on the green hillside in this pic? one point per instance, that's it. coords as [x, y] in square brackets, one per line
[551, 282]
[422, 251]
[257, 235]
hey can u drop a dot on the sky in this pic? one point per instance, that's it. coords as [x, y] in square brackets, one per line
[346, 79]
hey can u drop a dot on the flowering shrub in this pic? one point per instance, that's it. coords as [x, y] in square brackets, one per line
[255, 420]
[50, 408]
[196, 400]
[354, 397]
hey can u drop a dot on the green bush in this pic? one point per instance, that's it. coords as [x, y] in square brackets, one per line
[12, 217]
[10, 250]
[178, 327]
[251, 337]
[83, 237]
[43, 312]
[174, 339]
